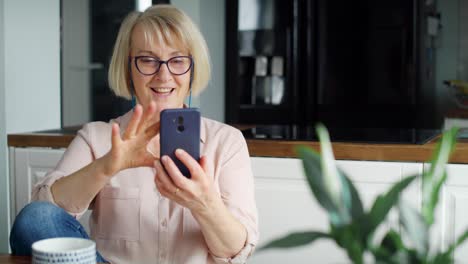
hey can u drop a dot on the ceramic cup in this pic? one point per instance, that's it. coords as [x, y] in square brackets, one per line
[64, 250]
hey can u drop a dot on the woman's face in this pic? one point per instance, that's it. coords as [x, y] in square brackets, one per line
[164, 88]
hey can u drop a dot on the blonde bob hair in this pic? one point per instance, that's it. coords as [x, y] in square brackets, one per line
[162, 24]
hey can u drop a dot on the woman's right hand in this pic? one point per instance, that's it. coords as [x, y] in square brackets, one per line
[130, 149]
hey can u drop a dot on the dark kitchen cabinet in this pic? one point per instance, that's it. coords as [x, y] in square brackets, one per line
[259, 48]
[364, 63]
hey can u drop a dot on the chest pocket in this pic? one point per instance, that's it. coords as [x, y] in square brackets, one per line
[119, 214]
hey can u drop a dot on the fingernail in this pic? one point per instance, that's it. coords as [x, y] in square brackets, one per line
[164, 158]
[178, 151]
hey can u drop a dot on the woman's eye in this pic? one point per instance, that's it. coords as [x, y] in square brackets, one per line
[147, 60]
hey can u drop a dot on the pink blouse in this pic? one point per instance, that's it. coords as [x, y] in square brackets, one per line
[132, 223]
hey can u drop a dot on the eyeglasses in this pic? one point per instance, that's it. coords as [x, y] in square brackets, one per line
[148, 65]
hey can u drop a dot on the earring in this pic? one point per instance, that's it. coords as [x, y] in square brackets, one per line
[133, 101]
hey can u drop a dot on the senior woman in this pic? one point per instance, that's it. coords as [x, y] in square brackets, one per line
[143, 209]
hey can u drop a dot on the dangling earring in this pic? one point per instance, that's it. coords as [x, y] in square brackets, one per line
[132, 93]
[190, 86]
[133, 101]
[132, 89]
[190, 98]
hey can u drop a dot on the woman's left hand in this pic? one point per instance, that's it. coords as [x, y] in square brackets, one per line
[196, 193]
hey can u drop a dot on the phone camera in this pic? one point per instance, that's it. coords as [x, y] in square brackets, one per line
[180, 128]
[180, 120]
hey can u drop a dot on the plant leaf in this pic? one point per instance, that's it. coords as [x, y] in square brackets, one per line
[442, 259]
[315, 179]
[354, 205]
[334, 182]
[332, 179]
[447, 255]
[347, 237]
[383, 204]
[433, 180]
[391, 250]
[295, 240]
[392, 242]
[431, 202]
[416, 228]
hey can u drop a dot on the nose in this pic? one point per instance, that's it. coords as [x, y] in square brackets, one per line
[163, 74]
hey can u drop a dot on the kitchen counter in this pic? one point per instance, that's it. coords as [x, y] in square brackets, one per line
[458, 113]
[279, 147]
[9, 259]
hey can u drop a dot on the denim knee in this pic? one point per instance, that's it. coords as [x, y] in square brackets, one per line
[35, 221]
[37, 214]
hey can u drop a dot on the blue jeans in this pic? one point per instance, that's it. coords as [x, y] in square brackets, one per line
[41, 220]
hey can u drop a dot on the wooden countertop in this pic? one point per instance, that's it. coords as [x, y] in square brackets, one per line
[281, 148]
[458, 113]
[9, 259]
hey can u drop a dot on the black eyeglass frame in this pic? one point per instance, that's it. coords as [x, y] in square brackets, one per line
[136, 58]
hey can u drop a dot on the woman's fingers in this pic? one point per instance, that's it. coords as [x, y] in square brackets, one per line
[148, 118]
[176, 176]
[132, 127]
[192, 165]
[205, 165]
[142, 122]
[163, 181]
[115, 134]
[168, 188]
[152, 130]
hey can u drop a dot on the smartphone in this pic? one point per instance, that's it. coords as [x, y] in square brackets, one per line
[180, 128]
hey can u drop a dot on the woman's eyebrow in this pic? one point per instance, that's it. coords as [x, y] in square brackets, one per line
[145, 51]
[177, 52]
[174, 53]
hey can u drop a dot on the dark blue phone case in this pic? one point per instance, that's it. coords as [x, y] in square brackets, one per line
[180, 128]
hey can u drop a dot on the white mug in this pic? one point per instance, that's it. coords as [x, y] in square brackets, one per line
[64, 250]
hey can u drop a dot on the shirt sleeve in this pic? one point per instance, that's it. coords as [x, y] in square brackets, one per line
[77, 155]
[238, 193]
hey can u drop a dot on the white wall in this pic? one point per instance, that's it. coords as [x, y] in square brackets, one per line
[76, 73]
[29, 80]
[4, 196]
[463, 41]
[447, 51]
[209, 16]
[32, 64]
[212, 24]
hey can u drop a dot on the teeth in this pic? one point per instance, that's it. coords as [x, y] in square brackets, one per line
[162, 90]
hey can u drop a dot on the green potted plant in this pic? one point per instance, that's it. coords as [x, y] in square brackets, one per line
[353, 228]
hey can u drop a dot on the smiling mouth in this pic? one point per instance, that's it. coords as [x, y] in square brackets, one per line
[163, 90]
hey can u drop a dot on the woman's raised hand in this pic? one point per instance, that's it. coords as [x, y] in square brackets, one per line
[130, 149]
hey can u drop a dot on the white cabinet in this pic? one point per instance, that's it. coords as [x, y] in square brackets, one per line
[372, 178]
[286, 204]
[458, 122]
[27, 167]
[452, 212]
